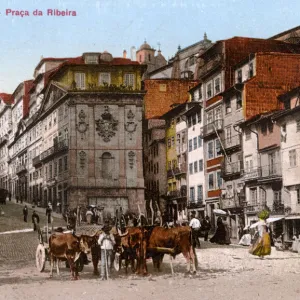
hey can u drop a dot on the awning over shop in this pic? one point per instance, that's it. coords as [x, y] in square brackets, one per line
[219, 211]
[274, 219]
[292, 217]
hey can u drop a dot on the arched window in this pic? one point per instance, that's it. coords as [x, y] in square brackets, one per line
[107, 165]
[149, 57]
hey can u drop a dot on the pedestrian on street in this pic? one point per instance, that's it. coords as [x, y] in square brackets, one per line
[25, 213]
[206, 226]
[9, 196]
[48, 214]
[195, 226]
[106, 241]
[262, 246]
[35, 220]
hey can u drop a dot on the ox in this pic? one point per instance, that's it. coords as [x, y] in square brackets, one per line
[132, 246]
[66, 246]
[171, 241]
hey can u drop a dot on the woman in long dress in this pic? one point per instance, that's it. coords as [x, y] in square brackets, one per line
[262, 246]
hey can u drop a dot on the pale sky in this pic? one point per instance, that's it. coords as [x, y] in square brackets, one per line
[115, 25]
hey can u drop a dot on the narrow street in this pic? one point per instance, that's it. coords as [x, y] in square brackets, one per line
[229, 272]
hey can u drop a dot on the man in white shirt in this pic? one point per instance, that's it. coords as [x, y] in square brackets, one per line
[195, 225]
[106, 241]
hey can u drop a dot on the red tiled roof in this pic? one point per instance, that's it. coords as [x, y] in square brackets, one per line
[7, 98]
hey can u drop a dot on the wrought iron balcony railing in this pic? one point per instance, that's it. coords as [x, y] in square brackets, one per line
[60, 146]
[212, 127]
[271, 171]
[181, 169]
[195, 204]
[179, 193]
[251, 174]
[230, 202]
[254, 208]
[278, 208]
[230, 169]
[36, 160]
[232, 142]
[21, 168]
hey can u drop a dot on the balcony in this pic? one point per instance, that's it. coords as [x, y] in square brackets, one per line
[232, 143]
[57, 148]
[254, 208]
[212, 63]
[270, 172]
[181, 169]
[231, 169]
[251, 174]
[21, 169]
[230, 202]
[195, 204]
[179, 193]
[278, 208]
[212, 127]
[36, 161]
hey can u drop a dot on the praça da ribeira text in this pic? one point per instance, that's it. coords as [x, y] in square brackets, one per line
[39, 13]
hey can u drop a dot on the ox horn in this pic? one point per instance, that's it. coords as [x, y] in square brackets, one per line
[122, 234]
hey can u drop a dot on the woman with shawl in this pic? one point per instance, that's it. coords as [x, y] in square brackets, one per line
[262, 246]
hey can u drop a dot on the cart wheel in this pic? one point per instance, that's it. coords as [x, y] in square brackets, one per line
[117, 262]
[40, 257]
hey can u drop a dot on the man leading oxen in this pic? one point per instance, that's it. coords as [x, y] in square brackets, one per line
[66, 246]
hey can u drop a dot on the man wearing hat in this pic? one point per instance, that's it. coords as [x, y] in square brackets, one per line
[106, 241]
[195, 225]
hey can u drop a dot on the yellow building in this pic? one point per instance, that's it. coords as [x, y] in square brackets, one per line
[176, 162]
[90, 143]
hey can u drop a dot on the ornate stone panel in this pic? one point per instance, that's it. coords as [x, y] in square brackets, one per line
[130, 125]
[106, 125]
[82, 126]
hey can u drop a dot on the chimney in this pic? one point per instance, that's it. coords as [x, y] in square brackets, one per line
[124, 53]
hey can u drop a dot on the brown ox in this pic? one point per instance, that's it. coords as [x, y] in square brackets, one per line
[171, 241]
[66, 246]
[132, 246]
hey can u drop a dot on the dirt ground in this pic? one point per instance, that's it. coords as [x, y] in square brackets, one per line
[226, 272]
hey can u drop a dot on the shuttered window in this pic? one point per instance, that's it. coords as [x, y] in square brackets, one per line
[129, 79]
[80, 81]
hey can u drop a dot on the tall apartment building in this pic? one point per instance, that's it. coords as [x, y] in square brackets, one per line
[216, 70]
[83, 135]
[5, 129]
[289, 123]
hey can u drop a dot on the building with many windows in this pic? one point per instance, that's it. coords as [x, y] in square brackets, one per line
[288, 122]
[81, 144]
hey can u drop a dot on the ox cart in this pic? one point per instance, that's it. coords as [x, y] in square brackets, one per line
[42, 251]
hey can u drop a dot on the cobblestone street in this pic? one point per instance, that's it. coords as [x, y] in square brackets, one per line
[224, 271]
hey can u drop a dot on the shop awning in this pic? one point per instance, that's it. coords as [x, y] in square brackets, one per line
[219, 211]
[292, 217]
[274, 219]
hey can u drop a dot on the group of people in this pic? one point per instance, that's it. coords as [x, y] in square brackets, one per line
[35, 217]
